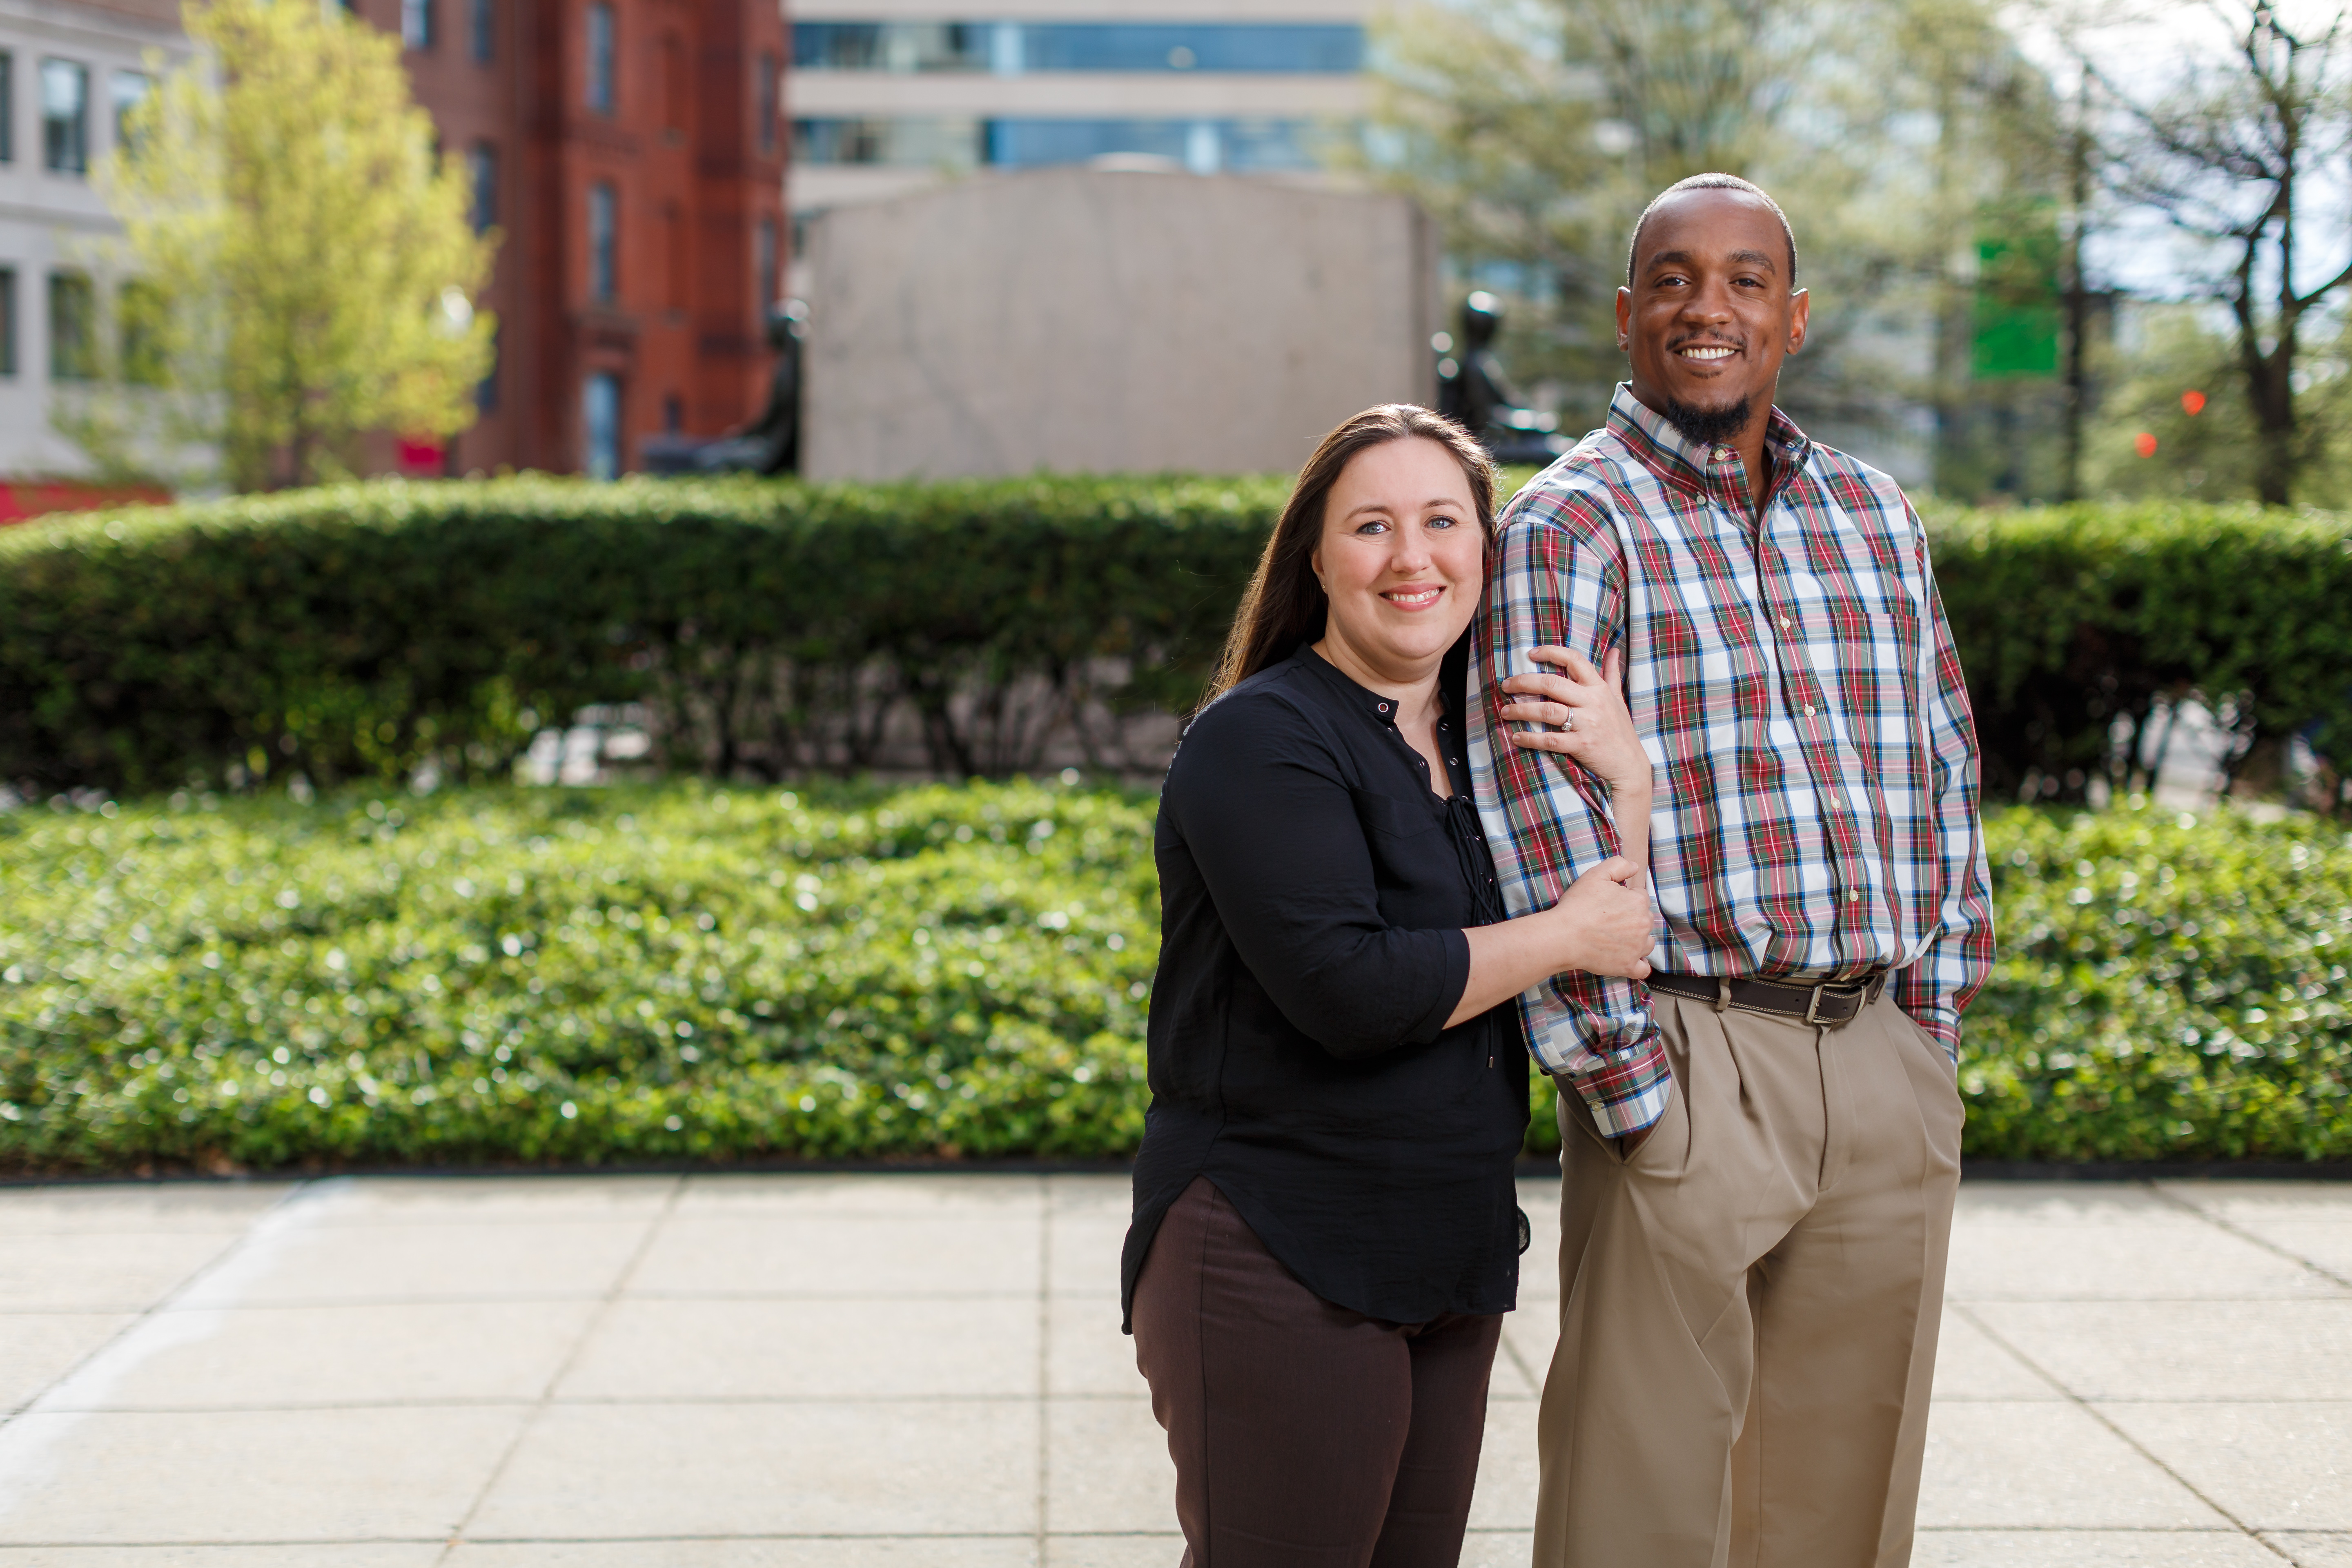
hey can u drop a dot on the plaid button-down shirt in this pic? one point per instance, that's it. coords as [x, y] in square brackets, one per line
[1814, 763]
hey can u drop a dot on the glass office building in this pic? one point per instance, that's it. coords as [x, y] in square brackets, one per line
[884, 103]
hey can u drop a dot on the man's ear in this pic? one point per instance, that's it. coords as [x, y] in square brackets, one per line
[1625, 320]
[1800, 309]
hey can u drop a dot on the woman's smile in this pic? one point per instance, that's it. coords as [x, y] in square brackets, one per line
[1414, 597]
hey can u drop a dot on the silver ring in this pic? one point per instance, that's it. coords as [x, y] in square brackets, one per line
[1571, 720]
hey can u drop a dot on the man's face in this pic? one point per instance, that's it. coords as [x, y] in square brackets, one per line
[1710, 315]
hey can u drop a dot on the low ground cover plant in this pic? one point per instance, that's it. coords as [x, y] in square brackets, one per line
[689, 971]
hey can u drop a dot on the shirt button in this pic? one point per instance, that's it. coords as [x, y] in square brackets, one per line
[1853, 896]
[1784, 623]
[1809, 709]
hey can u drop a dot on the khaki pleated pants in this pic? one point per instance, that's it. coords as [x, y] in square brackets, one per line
[1748, 1306]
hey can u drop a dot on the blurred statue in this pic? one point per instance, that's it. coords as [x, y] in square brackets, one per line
[771, 443]
[778, 428]
[1475, 393]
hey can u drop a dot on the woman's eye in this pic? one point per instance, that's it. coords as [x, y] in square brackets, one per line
[1441, 522]
[1373, 527]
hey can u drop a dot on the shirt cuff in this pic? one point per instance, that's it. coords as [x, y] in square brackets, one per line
[1631, 1092]
[1450, 985]
[1944, 1024]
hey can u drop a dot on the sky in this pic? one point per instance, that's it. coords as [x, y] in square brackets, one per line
[2144, 47]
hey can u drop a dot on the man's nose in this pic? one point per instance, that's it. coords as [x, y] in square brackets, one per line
[1708, 303]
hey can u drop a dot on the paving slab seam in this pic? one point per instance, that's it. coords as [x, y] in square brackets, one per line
[612, 1295]
[1045, 1353]
[2087, 1408]
[2231, 1227]
[151, 1309]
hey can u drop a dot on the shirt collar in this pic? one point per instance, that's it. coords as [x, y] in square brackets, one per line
[1382, 709]
[1676, 458]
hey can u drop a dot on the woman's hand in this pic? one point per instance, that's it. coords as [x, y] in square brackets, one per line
[1602, 925]
[1604, 921]
[1587, 708]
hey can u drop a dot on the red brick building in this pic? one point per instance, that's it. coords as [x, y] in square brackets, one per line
[632, 154]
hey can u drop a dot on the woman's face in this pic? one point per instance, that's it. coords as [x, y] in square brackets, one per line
[1401, 557]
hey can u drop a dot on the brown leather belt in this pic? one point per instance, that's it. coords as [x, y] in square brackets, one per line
[1829, 1006]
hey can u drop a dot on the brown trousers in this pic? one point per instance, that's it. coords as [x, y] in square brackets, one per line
[1304, 1436]
[1748, 1306]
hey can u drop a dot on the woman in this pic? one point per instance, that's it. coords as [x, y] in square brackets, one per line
[1326, 1232]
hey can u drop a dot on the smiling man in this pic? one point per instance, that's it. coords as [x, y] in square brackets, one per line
[1761, 1144]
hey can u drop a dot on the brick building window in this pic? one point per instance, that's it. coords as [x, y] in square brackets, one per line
[8, 107]
[416, 23]
[763, 267]
[65, 117]
[599, 410]
[482, 168]
[603, 239]
[7, 322]
[676, 254]
[483, 18]
[73, 327]
[601, 95]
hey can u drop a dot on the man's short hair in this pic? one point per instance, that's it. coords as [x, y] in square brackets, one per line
[1711, 182]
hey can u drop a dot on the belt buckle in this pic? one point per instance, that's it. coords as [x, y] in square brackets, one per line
[1813, 1005]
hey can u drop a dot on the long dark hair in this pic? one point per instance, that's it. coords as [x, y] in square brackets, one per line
[1283, 607]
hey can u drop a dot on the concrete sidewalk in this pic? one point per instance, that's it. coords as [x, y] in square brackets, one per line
[926, 1370]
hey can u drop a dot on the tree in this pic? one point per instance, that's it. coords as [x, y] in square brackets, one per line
[1534, 131]
[2234, 156]
[305, 267]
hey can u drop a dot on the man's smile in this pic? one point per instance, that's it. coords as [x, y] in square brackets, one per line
[1705, 354]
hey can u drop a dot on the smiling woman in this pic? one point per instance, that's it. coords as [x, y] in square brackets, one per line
[1325, 1213]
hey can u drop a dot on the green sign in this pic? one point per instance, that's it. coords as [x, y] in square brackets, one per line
[2017, 322]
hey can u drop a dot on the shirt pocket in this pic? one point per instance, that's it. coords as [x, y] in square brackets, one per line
[1416, 877]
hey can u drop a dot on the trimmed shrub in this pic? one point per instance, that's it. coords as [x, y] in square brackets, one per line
[2080, 627]
[775, 629]
[361, 632]
[526, 976]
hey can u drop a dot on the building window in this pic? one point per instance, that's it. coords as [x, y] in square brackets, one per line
[416, 23]
[1012, 48]
[601, 412]
[8, 107]
[7, 320]
[483, 18]
[139, 313]
[65, 117]
[915, 143]
[763, 265]
[129, 92]
[603, 235]
[485, 391]
[601, 95]
[73, 336]
[771, 74]
[482, 167]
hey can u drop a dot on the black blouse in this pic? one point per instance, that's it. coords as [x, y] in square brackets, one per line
[1313, 889]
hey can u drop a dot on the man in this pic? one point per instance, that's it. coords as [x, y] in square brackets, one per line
[1762, 1142]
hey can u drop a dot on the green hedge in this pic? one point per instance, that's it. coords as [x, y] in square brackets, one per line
[2079, 624]
[775, 630]
[693, 973]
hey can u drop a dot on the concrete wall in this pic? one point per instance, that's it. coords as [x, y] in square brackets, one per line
[1087, 319]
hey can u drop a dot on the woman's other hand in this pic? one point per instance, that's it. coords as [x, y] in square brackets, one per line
[1605, 920]
[1586, 710]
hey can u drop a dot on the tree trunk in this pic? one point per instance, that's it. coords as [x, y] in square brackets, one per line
[2270, 393]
